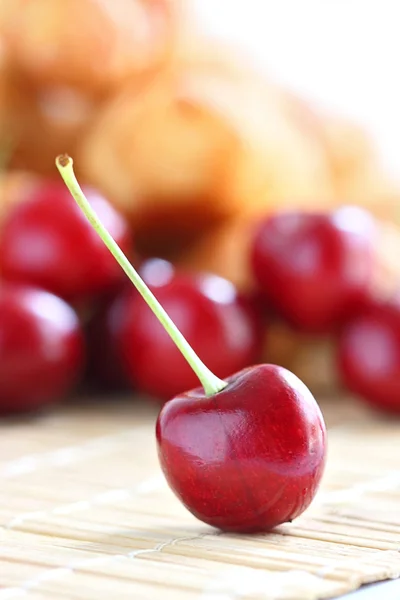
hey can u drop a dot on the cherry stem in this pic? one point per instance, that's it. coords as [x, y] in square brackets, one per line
[211, 383]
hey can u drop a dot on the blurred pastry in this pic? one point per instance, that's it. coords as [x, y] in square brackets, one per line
[15, 186]
[42, 123]
[224, 250]
[162, 151]
[3, 94]
[91, 45]
[359, 174]
[207, 140]
[310, 358]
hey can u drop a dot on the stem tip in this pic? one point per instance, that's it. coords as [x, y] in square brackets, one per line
[63, 160]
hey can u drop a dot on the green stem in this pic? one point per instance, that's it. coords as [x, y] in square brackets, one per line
[211, 383]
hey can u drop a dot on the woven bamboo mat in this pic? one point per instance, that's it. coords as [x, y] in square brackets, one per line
[85, 514]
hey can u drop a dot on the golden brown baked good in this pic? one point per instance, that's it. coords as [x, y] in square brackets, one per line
[161, 151]
[207, 140]
[312, 359]
[358, 173]
[89, 44]
[62, 58]
[224, 250]
[42, 123]
[15, 186]
[3, 91]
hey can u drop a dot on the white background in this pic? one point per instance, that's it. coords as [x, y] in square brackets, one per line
[344, 54]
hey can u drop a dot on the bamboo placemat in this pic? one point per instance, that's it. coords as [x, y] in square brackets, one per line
[85, 514]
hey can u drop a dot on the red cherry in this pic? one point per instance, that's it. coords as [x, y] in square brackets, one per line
[248, 458]
[368, 355]
[315, 269]
[104, 371]
[48, 242]
[220, 327]
[245, 454]
[41, 348]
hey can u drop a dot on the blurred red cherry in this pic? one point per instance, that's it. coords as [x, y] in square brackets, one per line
[104, 372]
[315, 269]
[48, 242]
[41, 348]
[217, 323]
[368, 355]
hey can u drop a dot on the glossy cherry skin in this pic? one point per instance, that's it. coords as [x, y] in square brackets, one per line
[47, 241]
[315, 269]
[41, 348]
[216, 322]
[249, 458]
[368, 355]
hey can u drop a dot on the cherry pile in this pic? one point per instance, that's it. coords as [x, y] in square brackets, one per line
[67, 313]
[318, 272]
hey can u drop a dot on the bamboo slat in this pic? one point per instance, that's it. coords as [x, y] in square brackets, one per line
[86, 514]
